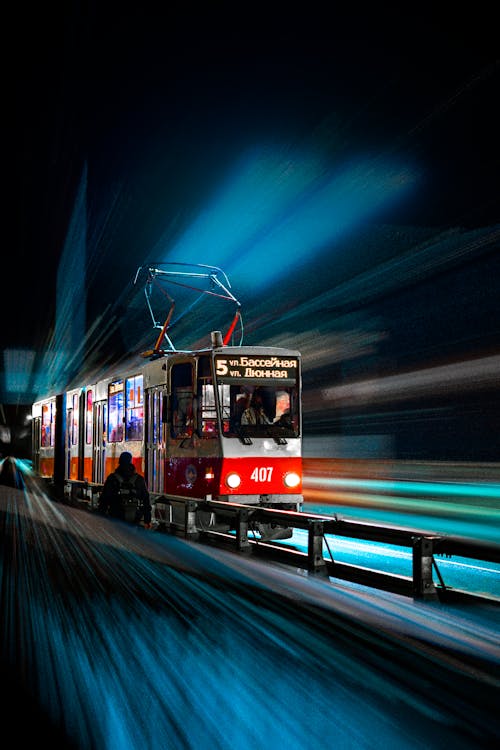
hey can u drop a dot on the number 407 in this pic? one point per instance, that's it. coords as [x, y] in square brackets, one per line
[262, 474]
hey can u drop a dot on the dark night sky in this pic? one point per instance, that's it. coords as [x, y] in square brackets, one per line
[162, 99]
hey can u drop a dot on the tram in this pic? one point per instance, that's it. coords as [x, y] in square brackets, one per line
[181, 415]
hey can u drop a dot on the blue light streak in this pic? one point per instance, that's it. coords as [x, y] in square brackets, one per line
[279, 209]
[479, 490]
[145, 641]
[18, 367]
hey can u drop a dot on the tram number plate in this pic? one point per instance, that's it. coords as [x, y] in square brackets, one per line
[262, 474]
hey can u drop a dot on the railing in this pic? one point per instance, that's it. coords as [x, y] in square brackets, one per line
[420, 585]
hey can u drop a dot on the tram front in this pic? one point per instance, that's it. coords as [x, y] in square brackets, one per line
[258, 391]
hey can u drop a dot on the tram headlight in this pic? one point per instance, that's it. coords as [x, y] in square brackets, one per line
[233, 480]
[292, 479]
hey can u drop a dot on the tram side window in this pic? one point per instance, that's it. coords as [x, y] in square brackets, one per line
[74, 421]
[88, 420]
[182, 400]
[115, 412]
[225, 405]
[154, 401]
[207, 410]
[47, 436]
[134, 420]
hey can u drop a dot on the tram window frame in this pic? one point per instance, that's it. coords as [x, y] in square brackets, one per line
[243, 391]
[115, 411]
[47, 426]
[207, 412]
[165, 408]
[134, 407]
[89, 405]
[153, 410]
[75, 417]
[182, 400]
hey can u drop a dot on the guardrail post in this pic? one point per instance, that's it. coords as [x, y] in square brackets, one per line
[423, 585]
[191, 530]
[316, 563]
[242, 543]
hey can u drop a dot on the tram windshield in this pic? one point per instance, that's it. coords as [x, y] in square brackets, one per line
[259, 396]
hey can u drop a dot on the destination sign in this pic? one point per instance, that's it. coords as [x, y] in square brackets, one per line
[258, 367]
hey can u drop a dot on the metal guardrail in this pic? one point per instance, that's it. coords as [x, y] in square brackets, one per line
[425, 547]
[420, 585]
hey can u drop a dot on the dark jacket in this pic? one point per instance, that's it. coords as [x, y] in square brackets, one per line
[111, 503]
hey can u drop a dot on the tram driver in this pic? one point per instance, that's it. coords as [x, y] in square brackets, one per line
[254, 413]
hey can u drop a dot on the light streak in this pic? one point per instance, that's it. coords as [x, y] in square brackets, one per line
[479, 490]
[291, 205]
[468, 375]
[18, 368]
[148, 641]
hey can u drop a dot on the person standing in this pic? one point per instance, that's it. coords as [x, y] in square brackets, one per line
[125, 493]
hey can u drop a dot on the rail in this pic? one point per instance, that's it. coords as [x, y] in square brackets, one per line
[420, 585]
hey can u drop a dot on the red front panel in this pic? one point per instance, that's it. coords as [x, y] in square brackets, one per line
[192, 476]
[260, 475]
[198, 477]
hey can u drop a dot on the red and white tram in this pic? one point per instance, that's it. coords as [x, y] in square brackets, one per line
[180, 416]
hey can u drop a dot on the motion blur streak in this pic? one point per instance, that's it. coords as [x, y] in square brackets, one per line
[136, 640]
[442, 504]
[18, 364]
[425, 488]
[429, 381]
[287, 205]
[64, 352]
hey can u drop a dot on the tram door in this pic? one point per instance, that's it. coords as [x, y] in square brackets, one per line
[36, 427]
[70, 448]
[154, 439]
[99, 442]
